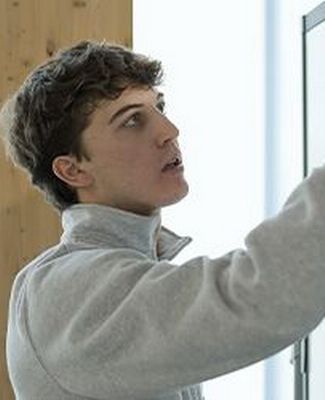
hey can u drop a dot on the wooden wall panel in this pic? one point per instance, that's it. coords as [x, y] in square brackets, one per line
[30, 31]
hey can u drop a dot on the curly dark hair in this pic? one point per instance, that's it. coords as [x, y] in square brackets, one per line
[46, 116]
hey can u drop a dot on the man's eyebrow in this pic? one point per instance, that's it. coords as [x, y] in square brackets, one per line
[123, 110]
[160, 98]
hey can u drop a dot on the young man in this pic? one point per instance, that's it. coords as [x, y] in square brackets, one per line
[105, 314]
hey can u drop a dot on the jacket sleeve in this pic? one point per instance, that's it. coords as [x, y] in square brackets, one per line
[136, 328]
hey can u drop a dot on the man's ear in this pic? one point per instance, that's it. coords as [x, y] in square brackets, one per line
[70, 171]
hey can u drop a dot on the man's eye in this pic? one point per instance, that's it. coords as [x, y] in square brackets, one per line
[133, 121]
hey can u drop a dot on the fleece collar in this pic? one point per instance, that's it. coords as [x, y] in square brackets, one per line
[97, 225]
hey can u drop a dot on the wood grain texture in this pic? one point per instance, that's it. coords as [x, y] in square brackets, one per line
[30, 31]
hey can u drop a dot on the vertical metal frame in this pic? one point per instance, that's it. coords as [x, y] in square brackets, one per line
[301, 348]
[304, 92]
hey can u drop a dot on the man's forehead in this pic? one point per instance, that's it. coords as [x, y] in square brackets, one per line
[138, 94]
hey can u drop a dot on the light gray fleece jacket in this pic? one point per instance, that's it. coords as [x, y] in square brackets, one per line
[106, 315]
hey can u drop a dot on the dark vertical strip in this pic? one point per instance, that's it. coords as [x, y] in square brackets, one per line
[304, 100]
[301, 358]
[301, 366]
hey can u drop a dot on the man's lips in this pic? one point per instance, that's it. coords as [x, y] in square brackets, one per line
[173, 161]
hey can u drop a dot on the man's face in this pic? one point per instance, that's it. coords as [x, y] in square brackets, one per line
[129, 141]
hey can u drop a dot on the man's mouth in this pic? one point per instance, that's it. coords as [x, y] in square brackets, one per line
[176, 162]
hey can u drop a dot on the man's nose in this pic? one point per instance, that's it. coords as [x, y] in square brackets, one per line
[166, 130]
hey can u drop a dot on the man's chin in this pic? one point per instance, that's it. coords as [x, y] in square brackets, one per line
[177, 196]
